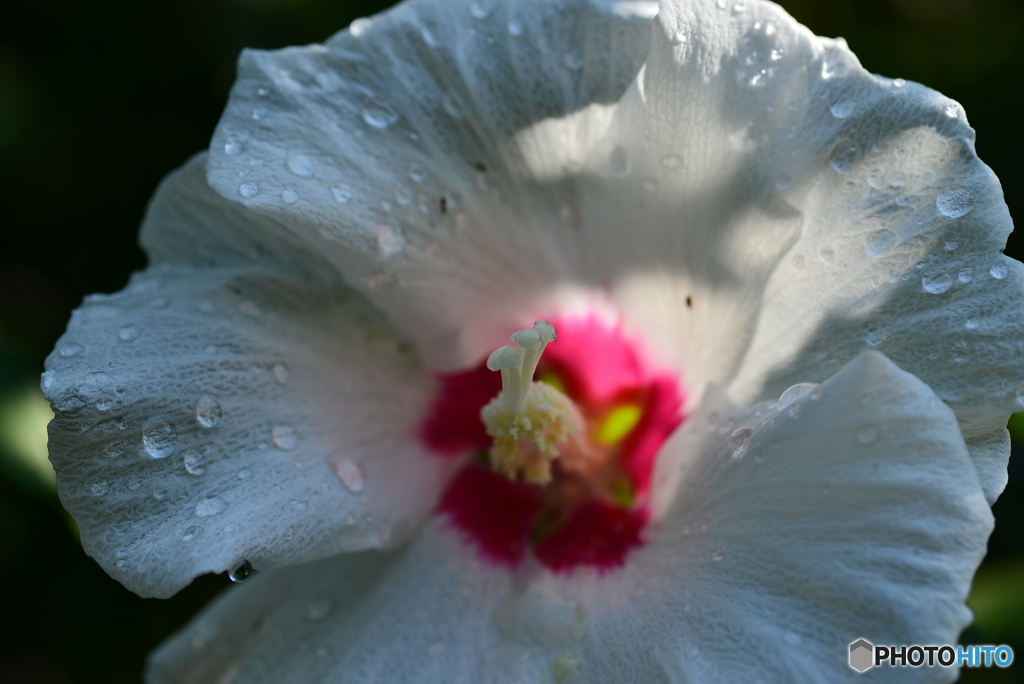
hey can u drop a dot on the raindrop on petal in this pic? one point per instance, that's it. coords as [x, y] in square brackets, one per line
[240, 572]
[300, 165]
[799, 392]
[191, 533]
[718, 553]
[342, 193]
[955, 202]
[937, 283]
[284, 437]
[280, 372]
[379, 113]
[998, 271]
[208, 412]
[350, 474]
[739, 440]
[158, 439]
[843, 108]
[129, 333]
[194, 463]
[210, 506]
[882, 243]
[248, 189]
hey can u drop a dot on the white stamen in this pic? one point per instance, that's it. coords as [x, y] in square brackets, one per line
[529, 421]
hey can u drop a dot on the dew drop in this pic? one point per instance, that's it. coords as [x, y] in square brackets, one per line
[680, 36]
[739, 440]
[244, 474]
[191, 533]
[208, 412]
[417, 173]
[123, 564]
[876, 330]
[899, 82]
[319, 608]
[284, 437]
[971, 324]
[952, 110]
[389, 240]
[360, 26]
[876, 178]
[280, 372]
[194, 463]
[342, 192]
[573, 60]
[158, 439]
[843, 108]
[955, 202]
[300, 164]
[379, 113]
[350, 474]
[827, 255]
[258, 113]
[619, 161]
[799, 392]
[210, 506]
[248, 189]
[937, 283]
[843, 158]
[451, 106]
[791, 638]
[515, 28]
[479, 9]
[882, 243]
[240, 572]
[951, 245]
[671, 161]
[867, 434]
[129, 333]
[289, 196]
[233, 146]
[718, 553]
[998, 271]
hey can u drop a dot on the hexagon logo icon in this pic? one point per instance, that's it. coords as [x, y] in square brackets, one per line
[861, 655]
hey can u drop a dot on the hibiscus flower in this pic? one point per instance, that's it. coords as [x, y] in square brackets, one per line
[764, 346]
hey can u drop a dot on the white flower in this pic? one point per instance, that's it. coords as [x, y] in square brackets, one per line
[739, 199]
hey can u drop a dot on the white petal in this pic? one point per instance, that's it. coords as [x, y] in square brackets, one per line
[235, 408]
[886, 554]
[356, 144]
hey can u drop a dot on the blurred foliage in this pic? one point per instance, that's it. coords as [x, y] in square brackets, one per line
[99, 99]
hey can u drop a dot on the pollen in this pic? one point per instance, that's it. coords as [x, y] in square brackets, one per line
[531, 423]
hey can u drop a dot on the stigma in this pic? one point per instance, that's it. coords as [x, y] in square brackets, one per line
[531, 423]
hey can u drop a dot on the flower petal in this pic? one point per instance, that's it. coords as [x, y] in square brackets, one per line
[425, 199]
[245, 405]
[784, 563]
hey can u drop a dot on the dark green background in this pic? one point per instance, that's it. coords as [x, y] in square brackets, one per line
[100, 99]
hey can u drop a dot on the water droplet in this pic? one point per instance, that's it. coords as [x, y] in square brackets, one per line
[843, 108]
[876, 178]
[971, 324]
[389, 240]
[998, 271]
[379, 113]
[350, 473]
[718, 553]
[210, 506]
[759, 78]
[129, 333]
[899, 82]
[360, 26]
[123, 564]
[876, 330]
[965, 275]
[263, 92]
[777, 53]
[342, 193]
[300, 165]
[280, 372]
[739, 440]
[830, 68]
[799, 392]
[258, 113]
[827, 255]
[573, 60]
[284, 437]
[671, 161]
[650, 184]
[240, 572]
[244, 474]
[791, 638]
[951, 245]
[402, 196]
[680, 36]
[248, 189]
[882, 243]
[451, 106]
[843, 158]
[191, 533]
[71, 349]
[479, 9]
[783, 181]
[158, 439]
[867, 434]
[955, 202]
[619, 161]
[739, 7]
[233, 146]
[194, 463]
[208, 412]
[289, 196]
[320, 607]
[952, 110]
[515, 28]
[417, 173]
[937, 283]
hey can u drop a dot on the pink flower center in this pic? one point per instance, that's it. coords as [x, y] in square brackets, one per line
[592, 509]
